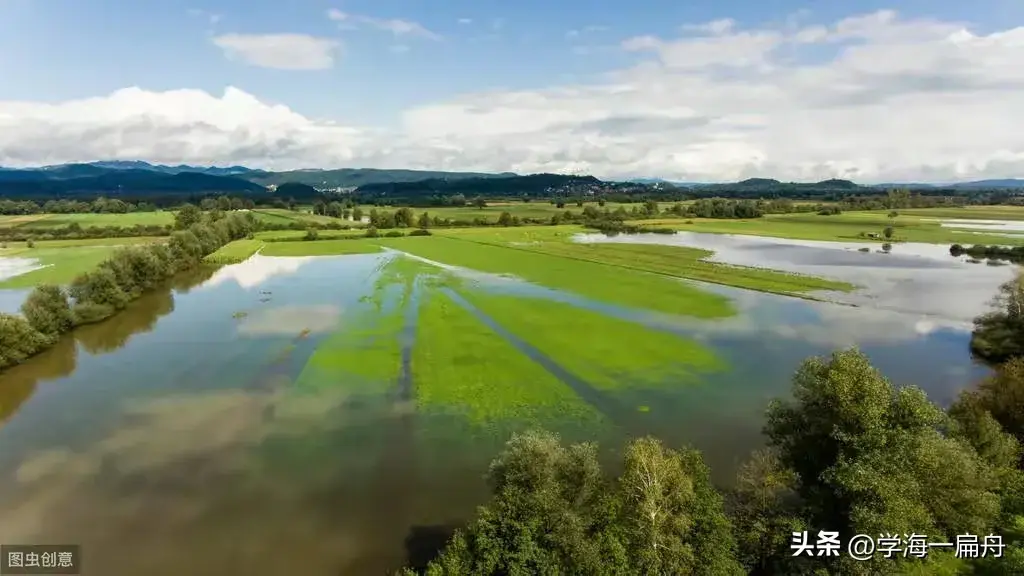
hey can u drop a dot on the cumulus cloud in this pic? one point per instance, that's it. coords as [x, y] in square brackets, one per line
[281, 51]
[396, 26]
[874, 97]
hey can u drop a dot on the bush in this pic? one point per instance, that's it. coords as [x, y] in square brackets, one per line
[311, 234]
[19, 340]
[30, 243]
[47, 310]
[371, 232]
[420, 232]
[393, 234]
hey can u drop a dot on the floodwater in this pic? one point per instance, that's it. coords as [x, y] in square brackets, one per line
[171, 439]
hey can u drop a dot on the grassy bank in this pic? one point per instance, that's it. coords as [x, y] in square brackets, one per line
[461, 366]
[235, 252]
[910, 226]
[320, 248]
[599, 281]
[608, 353]
[63, 260]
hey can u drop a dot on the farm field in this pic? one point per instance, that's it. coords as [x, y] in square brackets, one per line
[913, 226]
[43, 221]
[361, 376]
[62, 260]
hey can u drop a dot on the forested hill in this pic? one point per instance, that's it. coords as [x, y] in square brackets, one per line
[355, 177]
[83, 180]
[158, 184]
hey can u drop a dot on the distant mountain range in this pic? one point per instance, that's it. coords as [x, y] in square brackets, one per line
[138, 179]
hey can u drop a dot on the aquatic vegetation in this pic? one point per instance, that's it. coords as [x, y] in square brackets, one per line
[235, 252]
[461, 366]
[240, 314]
[686, 262]
[320, 248]
[608, 353]
[604, 282]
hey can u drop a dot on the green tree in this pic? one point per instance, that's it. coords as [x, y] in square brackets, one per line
[223, 203]
[357, 214]
[423, 221]
[186, 216]
[999, 334]
[765, 511]
[887, 232]
[18, 340]
[554, 512]
[404, 218]
[311, 234]
[48, 311]
[479, 202]
[1000, 397]
[871, 459]
[96, 295]
[505, 219]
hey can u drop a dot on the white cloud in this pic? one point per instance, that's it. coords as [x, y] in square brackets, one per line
[465, 20]
[281, 51]
[396, 26]
[872, 97]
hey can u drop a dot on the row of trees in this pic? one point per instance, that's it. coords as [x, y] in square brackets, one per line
[50, 311]
[848, 452]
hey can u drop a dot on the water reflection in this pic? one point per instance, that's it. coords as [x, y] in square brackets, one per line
[18, 383]
[913, 277]
[257, 270]
[290, 320]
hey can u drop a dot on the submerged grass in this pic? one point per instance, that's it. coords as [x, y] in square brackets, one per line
[320, 248]
[603, 282]
[608, 353]
[685, 262]
[235, 252]
[362, 356]
[460, 365]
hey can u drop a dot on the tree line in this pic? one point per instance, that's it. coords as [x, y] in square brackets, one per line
[848, 451]
[50, 311]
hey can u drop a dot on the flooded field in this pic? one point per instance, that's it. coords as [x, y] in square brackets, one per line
[333, 415]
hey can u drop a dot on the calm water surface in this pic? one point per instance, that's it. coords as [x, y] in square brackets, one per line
[168, 440]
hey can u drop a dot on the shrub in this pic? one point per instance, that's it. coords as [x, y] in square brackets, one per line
[420, 232]
[18, 340]
[47, 310]
[371, 232]
[311, 234]
[394, 234]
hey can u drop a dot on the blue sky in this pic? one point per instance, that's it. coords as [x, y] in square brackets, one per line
[53, 51]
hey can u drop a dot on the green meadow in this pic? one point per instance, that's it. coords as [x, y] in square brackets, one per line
[62, 260]
[319, 248]
[607, 353]
[461, 366]
[603, 282]
[235, 252]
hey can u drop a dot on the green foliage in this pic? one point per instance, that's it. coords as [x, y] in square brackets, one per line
[554, 512]
[873, 459]
[311, 234]
[1000, 397]
[48, 311]
[186, 216]
[999, 334]
[19, 340]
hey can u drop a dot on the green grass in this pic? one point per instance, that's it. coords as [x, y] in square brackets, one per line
[89, 220]
[63, 259]
[235, 252]
[684, 262]
[601, 282]
[910, 226]
[320, 248]
[362, 356]
[460, 365]
[285, 235]
[590, 344]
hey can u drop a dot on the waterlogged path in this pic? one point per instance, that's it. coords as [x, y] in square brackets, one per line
[335, 415]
